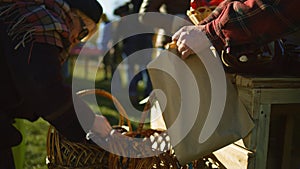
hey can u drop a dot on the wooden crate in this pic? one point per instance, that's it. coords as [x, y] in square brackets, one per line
[274, 105]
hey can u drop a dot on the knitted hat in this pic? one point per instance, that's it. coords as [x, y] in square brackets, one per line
[91, 8]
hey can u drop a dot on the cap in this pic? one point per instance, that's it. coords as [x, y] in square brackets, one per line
[91, 8]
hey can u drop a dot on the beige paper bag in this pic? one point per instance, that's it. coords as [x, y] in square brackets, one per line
[191, 104]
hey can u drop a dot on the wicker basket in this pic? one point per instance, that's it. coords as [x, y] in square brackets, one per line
[196, 16]
[64, 154]
[154, 142]
[155, 150]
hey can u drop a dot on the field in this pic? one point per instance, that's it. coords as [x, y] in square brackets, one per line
[35, 133]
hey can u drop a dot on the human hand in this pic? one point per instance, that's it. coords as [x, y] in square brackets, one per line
[189, 40]
[101, 126]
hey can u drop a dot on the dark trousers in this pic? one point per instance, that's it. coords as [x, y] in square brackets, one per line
[6, 159]
[10, 137]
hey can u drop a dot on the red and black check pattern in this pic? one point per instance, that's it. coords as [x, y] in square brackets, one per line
[255, 22]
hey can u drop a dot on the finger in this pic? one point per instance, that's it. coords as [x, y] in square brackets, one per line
[106, 121]
[177, 34]
[105, 132]
[185, 54]
[182, 39]
[182, 46]
[177, 43]
[107, 127]
[102, 126]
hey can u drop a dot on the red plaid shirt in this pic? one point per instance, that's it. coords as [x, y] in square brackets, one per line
[251, 22]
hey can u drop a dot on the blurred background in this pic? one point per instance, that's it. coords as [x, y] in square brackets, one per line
[110, 5]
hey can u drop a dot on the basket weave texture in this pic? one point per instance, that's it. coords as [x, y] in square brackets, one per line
[64, 154]
[196, 16]
[154, 142]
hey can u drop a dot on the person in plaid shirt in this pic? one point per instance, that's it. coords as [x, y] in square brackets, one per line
[35, 37]
[246, 24]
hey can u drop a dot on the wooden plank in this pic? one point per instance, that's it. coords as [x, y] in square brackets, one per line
[280, 96]
[233, 156]
[285, 109]
[288, 141]
[246, 97]
[267, 82]
[262, 138]
[251, 99]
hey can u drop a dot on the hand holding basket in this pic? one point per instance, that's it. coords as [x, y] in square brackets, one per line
[118, 149]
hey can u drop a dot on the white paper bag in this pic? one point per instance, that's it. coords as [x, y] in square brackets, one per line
[202, 113]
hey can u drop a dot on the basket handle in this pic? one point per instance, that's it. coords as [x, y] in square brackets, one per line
[146, 110]
[108, 95]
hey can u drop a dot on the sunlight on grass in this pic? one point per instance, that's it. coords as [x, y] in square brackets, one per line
[35, 144]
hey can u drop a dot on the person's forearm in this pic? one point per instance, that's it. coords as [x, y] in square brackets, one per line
[253, 22]
[216, 12]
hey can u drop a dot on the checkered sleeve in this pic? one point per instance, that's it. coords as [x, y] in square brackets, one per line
[253, 22]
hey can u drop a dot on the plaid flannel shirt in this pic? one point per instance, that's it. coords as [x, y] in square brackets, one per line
[251, 23]
[42, 21]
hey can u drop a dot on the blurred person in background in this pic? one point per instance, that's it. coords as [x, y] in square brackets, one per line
[163, 24]
[105, 44]
[134, 44]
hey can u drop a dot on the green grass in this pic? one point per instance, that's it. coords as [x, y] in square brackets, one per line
[35, 144]
[35, 133]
